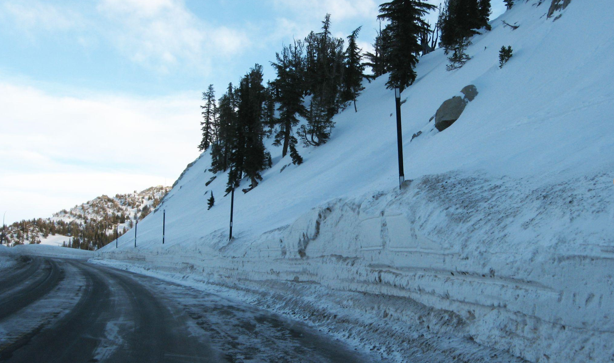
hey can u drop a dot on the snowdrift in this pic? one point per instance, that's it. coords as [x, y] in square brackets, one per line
[501, 246]
[51, 251]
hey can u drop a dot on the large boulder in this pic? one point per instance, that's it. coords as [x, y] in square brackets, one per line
[451, 109]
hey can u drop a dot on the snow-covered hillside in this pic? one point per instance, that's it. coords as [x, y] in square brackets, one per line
[134, 206]
[500, 248]
[93, 223]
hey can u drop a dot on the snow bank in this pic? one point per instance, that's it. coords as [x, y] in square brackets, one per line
[500, 247]
[51, 251]
[6, 261]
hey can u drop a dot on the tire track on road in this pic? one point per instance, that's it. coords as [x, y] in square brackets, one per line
[13, 301]
[25, 267]
[77, 333]
[160, 331]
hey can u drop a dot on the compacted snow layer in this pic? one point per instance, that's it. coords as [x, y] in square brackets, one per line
[51, 251]
[500, 245]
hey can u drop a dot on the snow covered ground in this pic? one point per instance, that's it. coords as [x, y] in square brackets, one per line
[55, 240]
[6, 261]
[51, 251]
[502, 244]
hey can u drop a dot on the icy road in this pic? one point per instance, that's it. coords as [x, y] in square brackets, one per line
[56, 310]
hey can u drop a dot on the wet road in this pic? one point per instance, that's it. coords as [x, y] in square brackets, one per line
[55, 310]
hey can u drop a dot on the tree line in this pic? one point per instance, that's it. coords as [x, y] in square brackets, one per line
[90, 234]
[319, 76]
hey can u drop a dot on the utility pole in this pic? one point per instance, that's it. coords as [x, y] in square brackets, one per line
[397, 96]
[136, 226]
[3, 230]
[232, 205]
[163, 224]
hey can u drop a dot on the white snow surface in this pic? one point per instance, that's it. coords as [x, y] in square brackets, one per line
[55, 240]
[6, 261]
[503, 239]
[51, 251]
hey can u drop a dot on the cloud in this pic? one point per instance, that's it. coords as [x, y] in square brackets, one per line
[302, 16]
[38, 15]
[340, 9]
[78, 148]
[39, 195]
[164, 34]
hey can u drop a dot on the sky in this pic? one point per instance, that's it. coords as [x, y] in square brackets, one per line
[102, 96]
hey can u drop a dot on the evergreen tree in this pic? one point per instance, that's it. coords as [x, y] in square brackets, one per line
[248, 155]
[354, 69]
[505, 53]
[406, 25]
[208, 123]
[380, 60]
[459, 55]
[509, 4]
[269, 119]
[226, 121]
[297, 159]
[289, 87]
[461, 20]
[323, 78]
[255, 152]
[210, 201]
[429, 39]
[485, 9]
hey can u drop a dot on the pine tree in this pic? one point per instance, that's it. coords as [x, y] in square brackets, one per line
[406, 25]
[429, 39]
[209, 110]
[290, 88]
[297, 159]
[226, 121]
[459, 55]
[210, 201]
[254, 148]
[380, 61]
[461, 20]
[248, 155]
[269, 119]
[354, 70]
[323, 78]
[504, 55]
[485, 9]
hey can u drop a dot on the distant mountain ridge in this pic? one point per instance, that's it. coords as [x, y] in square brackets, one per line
[89, 225]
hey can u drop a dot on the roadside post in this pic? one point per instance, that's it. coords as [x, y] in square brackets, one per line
[3, 230]
[163, 224]
[397, 96]
[136, 226]
[232, 205]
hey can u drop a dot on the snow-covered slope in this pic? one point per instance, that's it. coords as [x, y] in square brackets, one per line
[87, 221]
[506, 228]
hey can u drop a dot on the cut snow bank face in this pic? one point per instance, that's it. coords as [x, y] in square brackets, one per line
[507, 223]
[51, 251]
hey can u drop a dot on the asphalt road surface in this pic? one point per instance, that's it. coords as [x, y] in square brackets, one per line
[55, 310]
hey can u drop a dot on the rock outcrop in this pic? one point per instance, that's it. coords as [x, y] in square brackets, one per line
[451, 109]
[557, 5]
